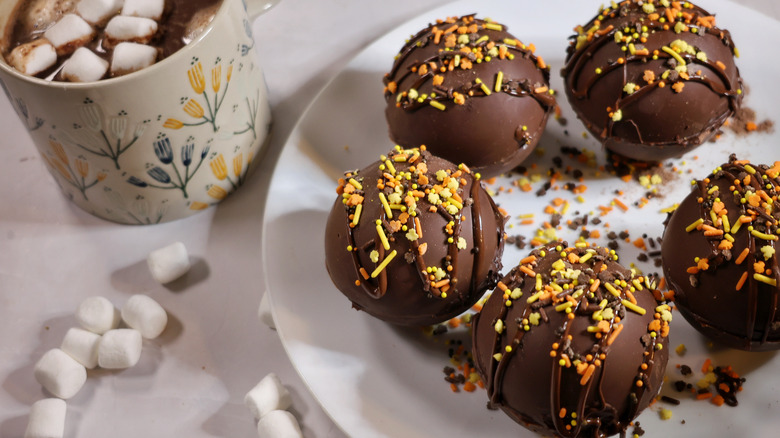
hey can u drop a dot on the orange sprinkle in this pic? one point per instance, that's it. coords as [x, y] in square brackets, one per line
[640, 243]
[562, 413]
[453, 387]
[705, 368]
[469, 387]
[615, 332]
[529, 259]
[718, 400]
[721, 65]
[742, 256]
[528, 271]
[703, 395]
[364, 273]
[751, 126]
[588, 373]
[742, 280]
[595, 285]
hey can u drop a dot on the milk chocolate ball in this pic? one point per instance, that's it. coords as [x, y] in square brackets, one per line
[413, 239]
[471, 92]
[571, 343]
[652, 79]
[719, 255]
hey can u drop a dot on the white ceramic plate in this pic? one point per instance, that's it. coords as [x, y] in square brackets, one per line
[375, 379]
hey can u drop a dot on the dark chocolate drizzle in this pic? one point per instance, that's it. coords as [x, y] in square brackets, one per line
[710, 189]
[602, 30]
[598, 416]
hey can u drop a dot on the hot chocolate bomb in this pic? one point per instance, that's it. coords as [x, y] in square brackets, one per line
[471, 92]
[652, 79]
[413, 239]
[719, 255]
[571, 343]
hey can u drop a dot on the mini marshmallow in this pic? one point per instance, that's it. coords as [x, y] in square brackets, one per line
[97, 11]
[47, 419]
[134, 29]
[97, 315]
[68, 34]
[130, 57]
[84, 66]
[145, 315]
[268, 395]
[60, 374]
[144, 8]
[33, 57]
[278, 424]
[264, 312]
[82, 345]
[168, 263]
[120, 348]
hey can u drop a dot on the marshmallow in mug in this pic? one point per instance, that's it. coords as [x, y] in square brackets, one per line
[111, 23]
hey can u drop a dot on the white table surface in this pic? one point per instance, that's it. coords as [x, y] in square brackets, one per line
[303, 44]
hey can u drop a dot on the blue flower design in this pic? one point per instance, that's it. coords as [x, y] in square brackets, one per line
[186, 153]
[159, 174]
[162, 148]
[136, 181]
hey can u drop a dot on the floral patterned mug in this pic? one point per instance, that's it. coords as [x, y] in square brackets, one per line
[159, 144]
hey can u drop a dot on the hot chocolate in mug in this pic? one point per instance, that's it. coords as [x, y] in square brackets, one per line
[159, 144]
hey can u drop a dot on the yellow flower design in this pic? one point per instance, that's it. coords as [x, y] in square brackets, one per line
[217, 192]
[197, 80]
[193, 108]
[59, 151]
[216, 78]
[218, 167]
[82, 167]
[173, 124]
[197, 205]
[238, 164]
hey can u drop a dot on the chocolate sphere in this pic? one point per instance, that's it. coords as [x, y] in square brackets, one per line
[471, 92]
[652, 81]
[719, 256]
[571, 343]
[413, 239]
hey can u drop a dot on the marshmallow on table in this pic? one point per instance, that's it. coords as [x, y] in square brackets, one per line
[144, 8]
[60, 374]
[97, 315]
[265, 313]
[133, 29]
[97, 11]
[120, 348]
[84, 66]
[278, 424]
[33, 57]
[47, 419]
[170, 262]
[145, 315]
[68, 34]
[82, 345]
[268, 395]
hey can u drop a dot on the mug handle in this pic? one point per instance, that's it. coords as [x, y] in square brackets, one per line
[255, 8]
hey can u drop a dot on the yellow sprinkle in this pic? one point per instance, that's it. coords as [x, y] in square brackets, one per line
[534, 297]
[634, 307]
[612, 289]
[385, 204]
[584, 258]
[437, 105]
[390, 167]
[729, 237]
[563, 306]
[750, 169]
[355, 184]
[493, 26]
[726, 224]
[384, 264]
[356, 216]
[498, 356]
[764, 236]
[499, 81]
[693, 226]
[482, 85]
[382, 237]
[455, 203]
[670, 209]
[764, 279]
[674, 55]
[637, 284]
